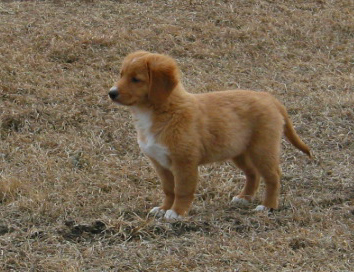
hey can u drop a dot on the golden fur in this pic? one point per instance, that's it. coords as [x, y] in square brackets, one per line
[178, 130]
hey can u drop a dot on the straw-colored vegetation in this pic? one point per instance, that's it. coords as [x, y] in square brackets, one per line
[75, 189]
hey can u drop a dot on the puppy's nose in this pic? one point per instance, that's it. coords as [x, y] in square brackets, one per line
[113, 93]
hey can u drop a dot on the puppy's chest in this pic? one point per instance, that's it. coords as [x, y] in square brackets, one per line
[147, 140]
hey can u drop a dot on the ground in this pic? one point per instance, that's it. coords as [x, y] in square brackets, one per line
[74, 188]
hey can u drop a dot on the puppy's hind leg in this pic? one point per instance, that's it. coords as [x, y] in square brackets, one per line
[252, 179]
[267, 162]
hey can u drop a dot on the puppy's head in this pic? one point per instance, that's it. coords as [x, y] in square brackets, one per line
[145, 78]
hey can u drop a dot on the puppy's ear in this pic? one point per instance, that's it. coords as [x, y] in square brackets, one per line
[163, 76]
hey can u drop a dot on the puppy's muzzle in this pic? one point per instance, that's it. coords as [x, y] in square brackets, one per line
[113, 93]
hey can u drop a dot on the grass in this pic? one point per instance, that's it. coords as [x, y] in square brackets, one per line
[75, 189]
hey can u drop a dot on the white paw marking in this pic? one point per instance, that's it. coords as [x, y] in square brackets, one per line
[157, 211]
[240, 201]
[260, 208]
[172, 215]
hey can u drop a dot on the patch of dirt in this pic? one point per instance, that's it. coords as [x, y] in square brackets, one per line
[78, 232]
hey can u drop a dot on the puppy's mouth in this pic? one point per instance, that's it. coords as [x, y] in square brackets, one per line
[119, 102]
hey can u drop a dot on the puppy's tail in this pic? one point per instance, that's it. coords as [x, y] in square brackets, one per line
[290, 132]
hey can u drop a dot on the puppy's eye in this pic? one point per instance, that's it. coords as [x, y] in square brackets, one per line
[135, 80]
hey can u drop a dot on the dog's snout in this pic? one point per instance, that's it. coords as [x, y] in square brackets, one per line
[113, 93]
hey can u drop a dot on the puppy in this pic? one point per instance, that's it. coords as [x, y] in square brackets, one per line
[178, 131]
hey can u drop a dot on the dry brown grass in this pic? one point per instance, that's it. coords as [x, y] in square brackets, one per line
[74, 188]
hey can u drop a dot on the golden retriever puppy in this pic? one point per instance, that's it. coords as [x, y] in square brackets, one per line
[178, 131]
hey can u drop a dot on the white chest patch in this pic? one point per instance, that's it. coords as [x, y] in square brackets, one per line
[146, 139]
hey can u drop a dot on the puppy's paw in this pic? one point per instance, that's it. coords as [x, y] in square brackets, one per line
[172, 215]
[239, 201]
[157, 211]
[261, 208]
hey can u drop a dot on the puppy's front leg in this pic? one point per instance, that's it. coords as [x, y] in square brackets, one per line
[186, 177]
[168, 186]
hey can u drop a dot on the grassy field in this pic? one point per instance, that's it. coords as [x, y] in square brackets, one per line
[74, 187]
